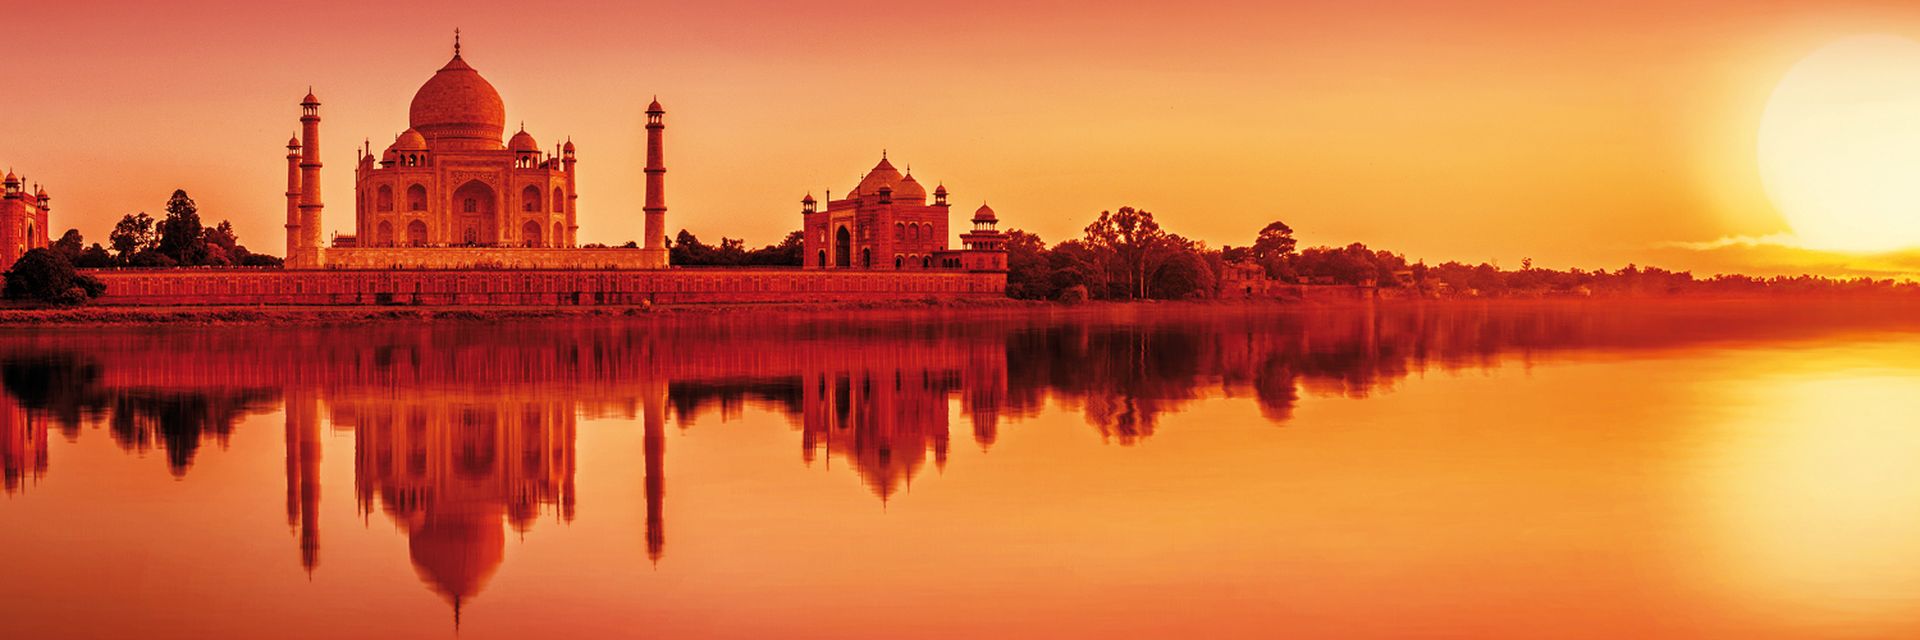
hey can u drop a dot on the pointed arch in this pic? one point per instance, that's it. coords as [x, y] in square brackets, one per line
[530, 199]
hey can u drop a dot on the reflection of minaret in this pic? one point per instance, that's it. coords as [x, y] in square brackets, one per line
[654, 418]
[23, 445]
[303, 474]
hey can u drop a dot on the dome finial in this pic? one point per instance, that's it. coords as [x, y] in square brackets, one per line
[456, 42]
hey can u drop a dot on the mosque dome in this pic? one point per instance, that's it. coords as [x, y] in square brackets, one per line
[410, 140]
[457, 104]
[910, 189]
[523, 141]
[882, 175]
[984, 214]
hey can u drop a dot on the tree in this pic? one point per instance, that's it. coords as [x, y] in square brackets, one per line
[181, 236]
[789, 253]
[45, 275]
[1273, 247]
[94, 257]
[222, 246]
[132, 235]
[1029, 272]
[1130, 243]
[70, 244]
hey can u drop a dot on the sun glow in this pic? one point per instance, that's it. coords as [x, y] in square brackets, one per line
[1839, 145]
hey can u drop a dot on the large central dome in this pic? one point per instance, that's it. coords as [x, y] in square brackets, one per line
[457, 108]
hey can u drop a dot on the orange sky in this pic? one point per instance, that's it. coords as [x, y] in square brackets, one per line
[1590, 134]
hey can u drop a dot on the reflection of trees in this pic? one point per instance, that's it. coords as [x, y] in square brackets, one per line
[67, 388]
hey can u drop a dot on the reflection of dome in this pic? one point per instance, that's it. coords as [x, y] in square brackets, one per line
[910, 189]
[456, 103]
[410, 140]
[456, 556]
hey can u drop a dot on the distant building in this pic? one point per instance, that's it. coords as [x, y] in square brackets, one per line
[886, 223]
[23, 219]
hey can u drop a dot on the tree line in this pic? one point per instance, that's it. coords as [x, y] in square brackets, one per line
[49, 275]
[1126, 255]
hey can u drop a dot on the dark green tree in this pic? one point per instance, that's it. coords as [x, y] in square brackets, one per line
[132, 235]
[44, 275]
[181, 236]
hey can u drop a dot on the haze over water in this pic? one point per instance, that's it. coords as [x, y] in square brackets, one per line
[1660, 469]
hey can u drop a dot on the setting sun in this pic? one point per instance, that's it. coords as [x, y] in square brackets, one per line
[1840, 145]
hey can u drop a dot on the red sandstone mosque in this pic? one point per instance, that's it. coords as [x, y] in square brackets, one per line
[23, 218]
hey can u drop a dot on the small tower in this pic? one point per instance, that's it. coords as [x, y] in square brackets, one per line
[986, 246]
[573, 193]
[310, 253]
[656, 207]
[808, 205]
[293, 198]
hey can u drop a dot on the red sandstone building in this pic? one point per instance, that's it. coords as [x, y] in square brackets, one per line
[887, 223]
[23, 218]
[449, 213]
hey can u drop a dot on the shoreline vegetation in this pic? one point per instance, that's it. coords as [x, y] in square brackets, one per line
[1122, 256]
[15, 317]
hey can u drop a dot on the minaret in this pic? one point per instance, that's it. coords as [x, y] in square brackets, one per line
[656, 209]
[310, 248]
[573, 195]
[293, 200]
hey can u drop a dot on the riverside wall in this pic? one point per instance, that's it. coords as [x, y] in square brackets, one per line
[533, 287]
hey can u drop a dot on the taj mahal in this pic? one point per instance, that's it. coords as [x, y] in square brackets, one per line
[454, 211]
[454, 191]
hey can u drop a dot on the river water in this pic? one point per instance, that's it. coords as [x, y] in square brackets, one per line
[1603, 470]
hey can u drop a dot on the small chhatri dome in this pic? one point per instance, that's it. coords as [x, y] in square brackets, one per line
[809, 199]
[12, 179]
[293, 142]
[655, 107]
[568, 146]
[984, 214]
[940, 189]
[458, 104]
[523, 141]
[309, 99]
[410, 140]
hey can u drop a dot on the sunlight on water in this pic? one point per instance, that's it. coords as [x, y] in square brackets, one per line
[1522, 470]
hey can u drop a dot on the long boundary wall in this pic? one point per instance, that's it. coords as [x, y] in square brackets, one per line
[528, 287]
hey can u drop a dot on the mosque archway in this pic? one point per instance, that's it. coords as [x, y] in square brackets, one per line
[416, 198]
[530, 234]
[842, 248]
[417, 233]
[530, 199]
[383, 199]
[384, 237]
[474, 211]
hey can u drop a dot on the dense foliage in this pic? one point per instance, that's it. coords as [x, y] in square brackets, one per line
[1126, 254]
[45, 275]
[177, 240]
[687, 251]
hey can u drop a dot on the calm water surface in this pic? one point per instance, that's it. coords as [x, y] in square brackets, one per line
[1745, 470]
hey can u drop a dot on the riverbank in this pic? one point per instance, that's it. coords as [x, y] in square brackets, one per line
[347, 315]
[216, 315]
